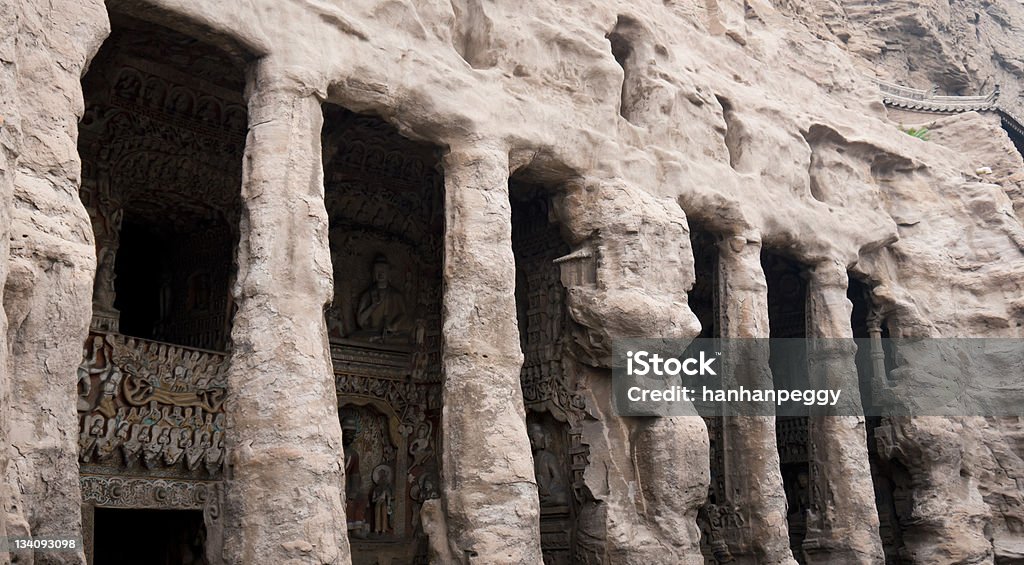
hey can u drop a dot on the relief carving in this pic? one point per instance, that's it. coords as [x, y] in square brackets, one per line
[160, 406]
[127, 492]
[370, 462]
[548, 469]
[380, 313]
[384, 325]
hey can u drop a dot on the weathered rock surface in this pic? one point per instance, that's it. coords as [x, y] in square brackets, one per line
[9, 145]
[280, 343]
[960, 48]
[47, 296]
[734, 111]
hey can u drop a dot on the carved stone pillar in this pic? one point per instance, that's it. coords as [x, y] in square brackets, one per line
[285, 499]
[107, 228]
[753, 481]
[50, 266]
[490, 489]
[647, 476]
[842, 527]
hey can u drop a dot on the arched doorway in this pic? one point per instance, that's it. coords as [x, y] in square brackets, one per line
[161, 144]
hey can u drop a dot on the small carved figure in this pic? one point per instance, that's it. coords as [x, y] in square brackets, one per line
[421, 491]
[107, 444]
[154, 449]
[215, 454]
[420, 448]
[109, 389]
[128, 85]
[88, 368]
[709, 516]
[175, 449]
[798, 501]
[382, 499]
[88, 439]
[130, 449]
[354, 505]
[550, 480]
[195, 452]
[103, 294]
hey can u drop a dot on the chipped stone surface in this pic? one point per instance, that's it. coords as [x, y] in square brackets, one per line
[51, 262]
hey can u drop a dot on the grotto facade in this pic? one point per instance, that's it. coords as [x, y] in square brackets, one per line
[314, 282]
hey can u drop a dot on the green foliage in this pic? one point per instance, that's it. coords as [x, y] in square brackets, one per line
[920, 133]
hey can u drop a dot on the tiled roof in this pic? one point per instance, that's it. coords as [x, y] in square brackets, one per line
[915, 100]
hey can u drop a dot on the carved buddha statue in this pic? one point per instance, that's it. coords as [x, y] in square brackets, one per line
[380, 313]
[550, 480]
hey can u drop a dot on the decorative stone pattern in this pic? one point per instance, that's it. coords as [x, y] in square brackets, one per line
[117, 492]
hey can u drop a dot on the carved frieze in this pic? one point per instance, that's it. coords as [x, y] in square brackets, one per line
[150, 406]
[130, 492]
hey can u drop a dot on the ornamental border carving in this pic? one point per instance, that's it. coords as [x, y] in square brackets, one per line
[138, 493]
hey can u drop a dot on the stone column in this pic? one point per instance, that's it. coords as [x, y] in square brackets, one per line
[50, 267]
[285, 484]
[751, 456]
[490, 489]
[842, 527]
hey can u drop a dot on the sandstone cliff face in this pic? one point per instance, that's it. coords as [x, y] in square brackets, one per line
[731, 114]
[960, 48]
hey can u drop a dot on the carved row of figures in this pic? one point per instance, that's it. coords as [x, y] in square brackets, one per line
[155, 438]
[156, 93]
[150, 404]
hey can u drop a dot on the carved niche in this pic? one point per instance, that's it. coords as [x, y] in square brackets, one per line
[554, 410]
[372, 443]
[162, 149]
[787, 296]
[384, 199]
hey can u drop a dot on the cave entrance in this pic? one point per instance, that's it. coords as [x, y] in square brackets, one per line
[548, 376]
[384, 196]
[161, 143]
[787, 319]
[154, 537]
[890, 478]
[703, 300]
